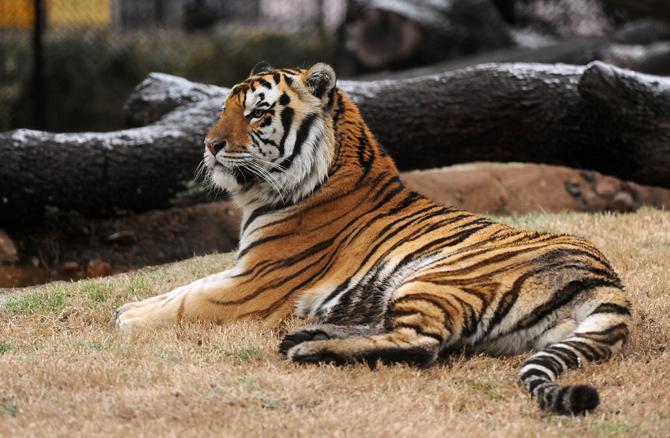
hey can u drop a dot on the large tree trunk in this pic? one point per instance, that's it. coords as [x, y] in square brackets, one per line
[597, 117]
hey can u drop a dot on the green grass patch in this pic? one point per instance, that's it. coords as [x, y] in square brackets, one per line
[140, 286]
[612, 428]
[8, 407]
[493, 390]
[246, 354]
[98, 293]
[5, 347]
[50, 300]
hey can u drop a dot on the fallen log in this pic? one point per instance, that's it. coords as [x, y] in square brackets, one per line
[597, 117]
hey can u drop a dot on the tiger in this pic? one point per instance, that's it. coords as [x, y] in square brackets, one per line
[376, 273]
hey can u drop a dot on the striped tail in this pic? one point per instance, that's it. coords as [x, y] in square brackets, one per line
[597, 337]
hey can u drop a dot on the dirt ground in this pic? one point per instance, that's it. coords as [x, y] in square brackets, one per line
[66, 372]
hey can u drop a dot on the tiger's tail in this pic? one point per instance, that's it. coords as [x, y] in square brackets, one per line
[598, 336]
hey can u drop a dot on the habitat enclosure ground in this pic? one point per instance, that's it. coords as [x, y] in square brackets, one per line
[66, 371]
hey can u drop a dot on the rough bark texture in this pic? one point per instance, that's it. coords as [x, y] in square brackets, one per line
[104, 174]
[599, 117]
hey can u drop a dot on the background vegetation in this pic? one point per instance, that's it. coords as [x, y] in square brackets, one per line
[117, 62]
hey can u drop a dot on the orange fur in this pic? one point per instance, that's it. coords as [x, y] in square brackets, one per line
[383, 273]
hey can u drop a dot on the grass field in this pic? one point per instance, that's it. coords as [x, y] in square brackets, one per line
[64, 371]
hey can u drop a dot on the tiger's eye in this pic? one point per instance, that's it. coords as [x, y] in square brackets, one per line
[257, 113]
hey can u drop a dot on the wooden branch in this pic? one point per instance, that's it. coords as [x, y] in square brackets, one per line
[599, 117]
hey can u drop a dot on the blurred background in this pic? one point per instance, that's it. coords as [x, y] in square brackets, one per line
[70, 66]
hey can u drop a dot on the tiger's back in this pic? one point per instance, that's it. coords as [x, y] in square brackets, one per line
[380, 272]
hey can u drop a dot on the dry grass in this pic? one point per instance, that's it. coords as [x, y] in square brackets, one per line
[65, 371]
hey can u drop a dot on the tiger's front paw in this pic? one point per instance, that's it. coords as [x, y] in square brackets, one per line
[149, 313]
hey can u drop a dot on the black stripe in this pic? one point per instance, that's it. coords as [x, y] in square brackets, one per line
[264, 83]
[535, 383]
[536, 373]
[560, 298]
[547, 362]
[416, 235]
[611, 308]
[366, 155]
[584, 349]
[393, 180]
[300, 137]
[314, 206]
[565, 354]
[255, 243]
[260, 211]
[327, 242]
[286, 117]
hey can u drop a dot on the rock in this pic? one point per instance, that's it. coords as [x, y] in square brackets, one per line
[8, 252]
[98, 268]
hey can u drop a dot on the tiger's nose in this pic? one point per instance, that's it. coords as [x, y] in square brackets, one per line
[214, 145]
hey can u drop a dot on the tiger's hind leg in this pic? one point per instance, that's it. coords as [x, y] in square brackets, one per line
[322, 332]
[414, 331]
[403, 345]
[602, 329]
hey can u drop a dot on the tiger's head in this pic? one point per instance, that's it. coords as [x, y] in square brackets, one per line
[274, 142]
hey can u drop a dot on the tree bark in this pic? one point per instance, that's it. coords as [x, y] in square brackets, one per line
[597, 117]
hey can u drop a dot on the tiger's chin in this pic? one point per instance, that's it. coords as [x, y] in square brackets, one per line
[224, 179]
[246, 190]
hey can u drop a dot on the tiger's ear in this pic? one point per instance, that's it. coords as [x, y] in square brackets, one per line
[261, 67]
[320, 79]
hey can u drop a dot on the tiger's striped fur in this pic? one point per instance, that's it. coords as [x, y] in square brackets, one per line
[381, 273]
